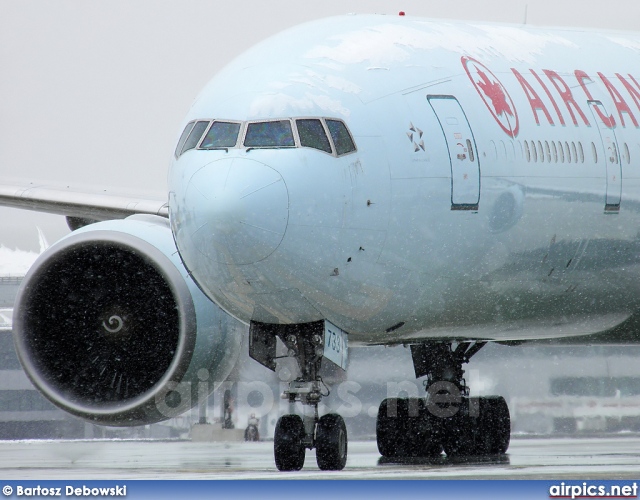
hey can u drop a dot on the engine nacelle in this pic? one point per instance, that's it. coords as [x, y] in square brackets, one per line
[110, 327]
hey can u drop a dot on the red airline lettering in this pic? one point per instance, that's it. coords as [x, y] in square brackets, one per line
[534, 99]
[553, 101]
[634, 93]
[620, 104]
[566, 95]
[581, 77]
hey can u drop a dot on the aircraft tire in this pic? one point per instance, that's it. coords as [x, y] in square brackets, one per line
[288, 448]
[387, 431]
[407, 431]
[493, 430]
[500, 422]
[460, 433]
[331, 442]
[486, 434]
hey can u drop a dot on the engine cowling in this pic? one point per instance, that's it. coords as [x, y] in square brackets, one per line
[110, 327]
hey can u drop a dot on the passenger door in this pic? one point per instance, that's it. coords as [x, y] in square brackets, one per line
[463, 157]
[610, 152]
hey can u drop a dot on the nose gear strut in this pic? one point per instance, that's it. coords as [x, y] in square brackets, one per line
[294, 434]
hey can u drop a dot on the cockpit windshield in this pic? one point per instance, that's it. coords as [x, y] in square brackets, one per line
[329, 135]
[195, 135]
[341, 137]
[221, 135]
[312, 134]
[183, 138]
[271, 134]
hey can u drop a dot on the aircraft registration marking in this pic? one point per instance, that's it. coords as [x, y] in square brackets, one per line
[335, 345]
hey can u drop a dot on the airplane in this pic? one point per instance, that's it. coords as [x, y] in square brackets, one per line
[352, 181]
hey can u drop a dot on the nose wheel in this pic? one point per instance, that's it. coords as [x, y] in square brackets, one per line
[331, 442]
[288, 443]
[295, 434]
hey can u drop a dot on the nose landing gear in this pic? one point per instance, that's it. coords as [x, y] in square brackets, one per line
[295, 434]
[327, 434]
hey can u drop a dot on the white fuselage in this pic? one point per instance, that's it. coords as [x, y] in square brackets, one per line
[494, 193]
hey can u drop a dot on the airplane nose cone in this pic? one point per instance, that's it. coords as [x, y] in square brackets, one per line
[240, 210]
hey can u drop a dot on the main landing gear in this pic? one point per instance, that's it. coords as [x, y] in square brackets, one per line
[447, 419]
[294, 434]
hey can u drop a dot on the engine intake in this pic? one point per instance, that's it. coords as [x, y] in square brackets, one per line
[110, 327]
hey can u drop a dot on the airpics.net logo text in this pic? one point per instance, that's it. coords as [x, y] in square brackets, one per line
[586, 490]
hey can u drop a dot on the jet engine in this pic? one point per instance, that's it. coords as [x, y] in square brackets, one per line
[110, 327]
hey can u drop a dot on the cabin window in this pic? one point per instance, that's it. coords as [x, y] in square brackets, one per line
[567, 151]
[492, 151]
[527, 151]
[574, 151]
[534, 152]
[221, 135]
[273, 134]
[548, 151]
[183, 138]
[555, 151]
[581, 152]
[594, 152]
[312, 135]
[560, 152]
[541, 151]
[341, 138]
[195, 135]
[503, 149]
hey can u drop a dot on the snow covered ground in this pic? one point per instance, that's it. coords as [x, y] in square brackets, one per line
[604, 458]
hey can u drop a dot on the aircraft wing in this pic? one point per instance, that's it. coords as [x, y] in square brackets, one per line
[82, 204]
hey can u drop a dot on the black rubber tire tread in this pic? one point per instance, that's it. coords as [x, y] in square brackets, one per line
[458, 439]
[411, 432]
[460, 431]
[288, 449]
[331, 442]
[493, 426]
[501, 425]
[387, 435]
[486, 434]
[484, 431]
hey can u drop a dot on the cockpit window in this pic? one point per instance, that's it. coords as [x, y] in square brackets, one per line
[341, 137]
[273, 134]
[195, 135]
[183, 138]
[329, 135]
[312, 135]
[221, 135]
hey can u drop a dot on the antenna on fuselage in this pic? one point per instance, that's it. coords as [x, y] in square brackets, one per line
[526, 8]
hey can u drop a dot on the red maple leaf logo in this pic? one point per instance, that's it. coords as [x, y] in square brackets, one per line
[493, 91]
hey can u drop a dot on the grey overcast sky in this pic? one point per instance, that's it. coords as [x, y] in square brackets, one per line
[92, 91]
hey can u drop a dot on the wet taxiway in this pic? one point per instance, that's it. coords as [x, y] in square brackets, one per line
[603, 458]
